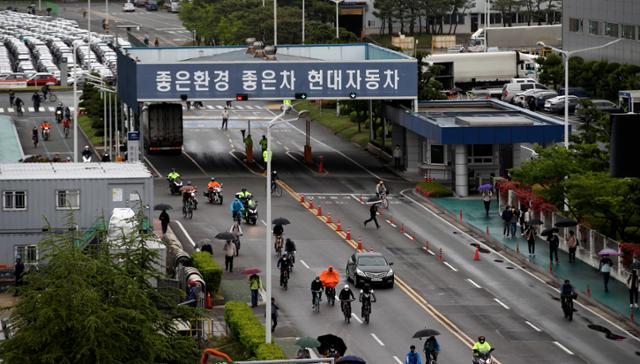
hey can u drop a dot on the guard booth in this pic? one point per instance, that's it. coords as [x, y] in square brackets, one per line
[629, 101]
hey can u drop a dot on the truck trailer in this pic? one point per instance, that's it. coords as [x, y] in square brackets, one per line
[162, 127]
[515, 38]
[468, 70]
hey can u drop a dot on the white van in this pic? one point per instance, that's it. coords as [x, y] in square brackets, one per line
[172, 6]
[510, 90]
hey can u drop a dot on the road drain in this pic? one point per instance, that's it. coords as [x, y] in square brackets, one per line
[509, 267]
[498, 260]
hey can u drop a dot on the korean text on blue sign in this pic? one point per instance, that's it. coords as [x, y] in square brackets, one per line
[276, 80]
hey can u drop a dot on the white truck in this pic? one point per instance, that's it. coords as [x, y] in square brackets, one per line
[515, 38]
[172, 6]
[468, 70]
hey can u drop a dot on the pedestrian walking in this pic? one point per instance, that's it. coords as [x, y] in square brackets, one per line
[397, 158]
[487, 195]
[524, 219]
[12, 97]
[515, 217]
[35, 136]
[18, 271]
[164, 221]
[605, 269]
[506, 220]
[530, 235]
[254, 285]
[373, 210]
[225, 119]
[229, 253]
[431, 349]
[572, 244]
[412, 357]
[633, 285]
[156, 42]
[19, 106]
[263, 144]
[303, 353]
[145, 40]
[554, 243]
[36, 101]
[274, 314]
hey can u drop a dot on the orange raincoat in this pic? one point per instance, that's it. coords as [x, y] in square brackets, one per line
[330, 279]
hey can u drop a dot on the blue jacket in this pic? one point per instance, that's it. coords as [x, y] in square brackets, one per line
[413, 358]
[237, 205]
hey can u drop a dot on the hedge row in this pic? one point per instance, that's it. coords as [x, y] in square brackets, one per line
[433, 189]
[210, 270]
[249, 330]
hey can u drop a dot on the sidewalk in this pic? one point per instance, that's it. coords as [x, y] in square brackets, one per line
[581, 274]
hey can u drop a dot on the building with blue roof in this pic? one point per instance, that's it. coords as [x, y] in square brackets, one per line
[466, 142]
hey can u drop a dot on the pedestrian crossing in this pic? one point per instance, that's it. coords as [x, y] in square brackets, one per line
[31, 109]
[235, 107]
[342, 198]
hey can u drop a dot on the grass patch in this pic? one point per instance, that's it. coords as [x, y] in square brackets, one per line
[434, 189]
[85, 123]
[339, 125]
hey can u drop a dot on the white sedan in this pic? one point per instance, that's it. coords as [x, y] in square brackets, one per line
[128, 7]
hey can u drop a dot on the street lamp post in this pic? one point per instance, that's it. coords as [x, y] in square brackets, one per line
[337, 17]
[275, 121]
[566, 55]
[75, 103]
[303, 21]
[275, 22]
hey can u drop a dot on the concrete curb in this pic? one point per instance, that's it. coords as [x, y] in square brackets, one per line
[539, 272]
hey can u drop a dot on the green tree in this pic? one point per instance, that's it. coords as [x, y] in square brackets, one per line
[429, 88]
[96, 306]
[506, 8]
[595, 125]
[552, 70]
[383, 10]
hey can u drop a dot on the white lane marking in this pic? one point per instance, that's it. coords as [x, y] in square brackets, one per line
[153, 167]
[305, 264]
[263, 222]
[431, 252]
[532, 326]
[357, 199]
[450, 266]
[563, 348]
[397, 360]
[409, 236]
[249, 107]
[238, 107]
[1, 109]
[501, 303]
[356, 317]
[10, 109]
[377, 339]
[286, 148]
[279, 142]
[473, 283]
[186, 233]
[403, 193]
[219, 107]
[258, 107]
[194, 162]
[390, 223]
[230, 141]
[339, 152]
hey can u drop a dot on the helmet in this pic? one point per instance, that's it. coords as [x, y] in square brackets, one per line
[481, 339]
[367, 288]
[346, 286]
[173, 169]
[317, 278]
[274, 172]
[244, 189]
[285, 257]
[59, 104]
[86, 147]
[213, 178]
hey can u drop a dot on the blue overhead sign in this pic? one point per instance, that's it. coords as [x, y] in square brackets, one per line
[276, 80]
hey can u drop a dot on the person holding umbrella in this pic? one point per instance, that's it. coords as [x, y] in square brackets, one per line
[431, 349]
[554, 243]
[530, 236]
[229, 253]
[487, 195]
[164, 222]
[605, 269]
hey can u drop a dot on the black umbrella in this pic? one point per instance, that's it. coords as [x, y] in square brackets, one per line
[548, 231]
[280, 221]
[225, 235]
[635, 265]
[535, 222]
[329, 340]
[425, 333]
[565, 223]
[162, 206]
[351, 359]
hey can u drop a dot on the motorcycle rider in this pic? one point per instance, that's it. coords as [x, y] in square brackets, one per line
[366, 296]
[244, 195]
[316, 288]
[481, 346]
[67, 112]
[186, 195]
[173, 175]
[346, 296]
[567, 293]
[44, 126]
[213, 184]
[284, 264]
[59, 112]
[237, 208]
[86, 153]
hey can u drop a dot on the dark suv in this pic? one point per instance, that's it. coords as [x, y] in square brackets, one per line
[370, 267]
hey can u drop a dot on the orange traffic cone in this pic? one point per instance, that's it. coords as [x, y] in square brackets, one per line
[588, 291]
[311, 204]
[401, 228]
[339, 226]
[476, 255]
[319, 210]
[359, 244]
[208, 303]
[302, 198]
[440, 255]
[631, 314]
[348, 234]
[329, 218]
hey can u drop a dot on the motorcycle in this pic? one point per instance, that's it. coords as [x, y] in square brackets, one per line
[215, 195]
[251, 213]
[45, 133]
[567, 305]
[174, 186]
[59, 116]
[86, 159]
[189, 206]
[483, 358]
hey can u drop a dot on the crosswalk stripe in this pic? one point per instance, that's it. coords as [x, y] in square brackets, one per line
[258, 107]
[209, 107]
[219, 107]
[1, 109]
[30, 109]
[249, 107]
[239, 107]
[10, 109]
[52, 109]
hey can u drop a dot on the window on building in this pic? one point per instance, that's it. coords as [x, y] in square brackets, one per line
[575, 25]
[28, 253]
[611, 30]
[594, 27]
[480, 154]
[437, 153]
[371, 23]
[628, 31]
[461, 19]
[14, 200]
[495, 18]
[68, 199]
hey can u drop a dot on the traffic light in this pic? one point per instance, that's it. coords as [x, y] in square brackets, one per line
[352, 95]
[301, 96]
[242, 97]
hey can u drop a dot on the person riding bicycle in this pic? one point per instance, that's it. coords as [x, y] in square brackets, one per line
[186, 195]
[45, 91]
[567, 292]
[285, 265]
[366, 296]
[237, 207]
[173, 175]
[346, 296]
[330, 278]
[67, 112]
[481, 346]
[431, 349]
[278, 232]
[274, 179]
[290, 249]
[381, 189]
[66, 123]
[316, 289]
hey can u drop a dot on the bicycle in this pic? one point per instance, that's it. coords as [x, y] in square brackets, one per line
[65, 129]
[346, 310]
[278, 244]
[316, 301]
[383, 200]
[366, 311]
[331, 295]
[51, 97]
[188, 209]
[433, 358]
[284, 278]
[276, 190]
